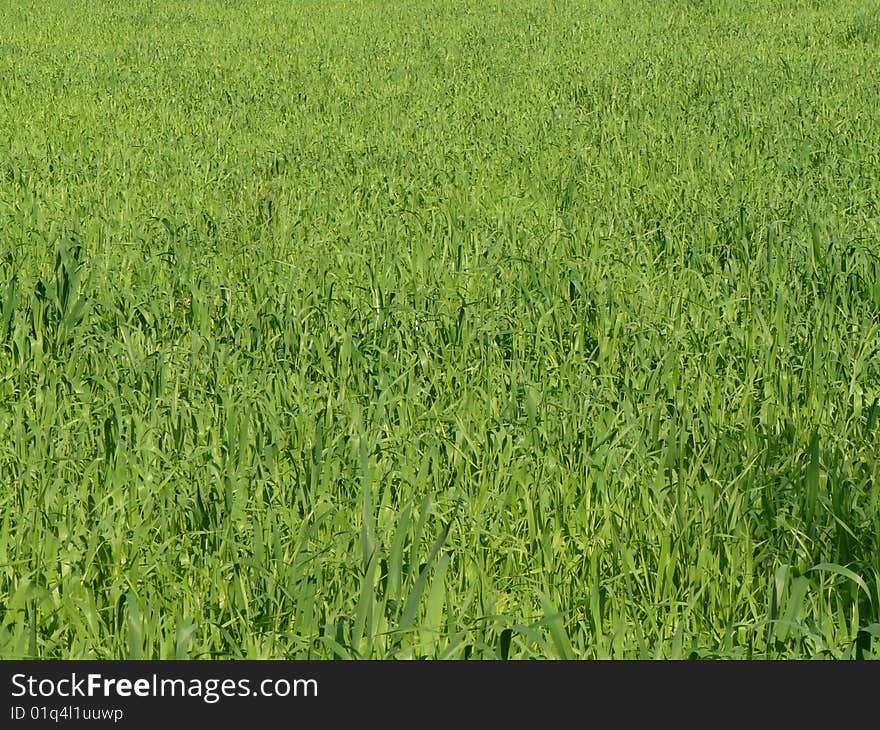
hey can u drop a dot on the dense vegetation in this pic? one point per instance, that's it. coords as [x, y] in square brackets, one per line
[439, 329]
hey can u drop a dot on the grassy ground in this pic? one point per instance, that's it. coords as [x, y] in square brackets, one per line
[439, 329]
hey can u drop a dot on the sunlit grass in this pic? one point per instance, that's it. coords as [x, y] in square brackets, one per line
[439, 329]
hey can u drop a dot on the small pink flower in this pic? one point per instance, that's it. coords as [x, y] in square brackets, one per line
[186, 300]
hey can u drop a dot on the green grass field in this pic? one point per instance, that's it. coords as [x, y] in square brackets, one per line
[440, 329]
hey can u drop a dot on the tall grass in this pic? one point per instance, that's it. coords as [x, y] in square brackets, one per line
[439, 329]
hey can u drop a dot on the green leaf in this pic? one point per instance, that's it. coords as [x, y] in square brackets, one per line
[553, 619]
[844, 572]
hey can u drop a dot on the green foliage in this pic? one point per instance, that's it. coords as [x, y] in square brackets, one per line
[439, 329]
